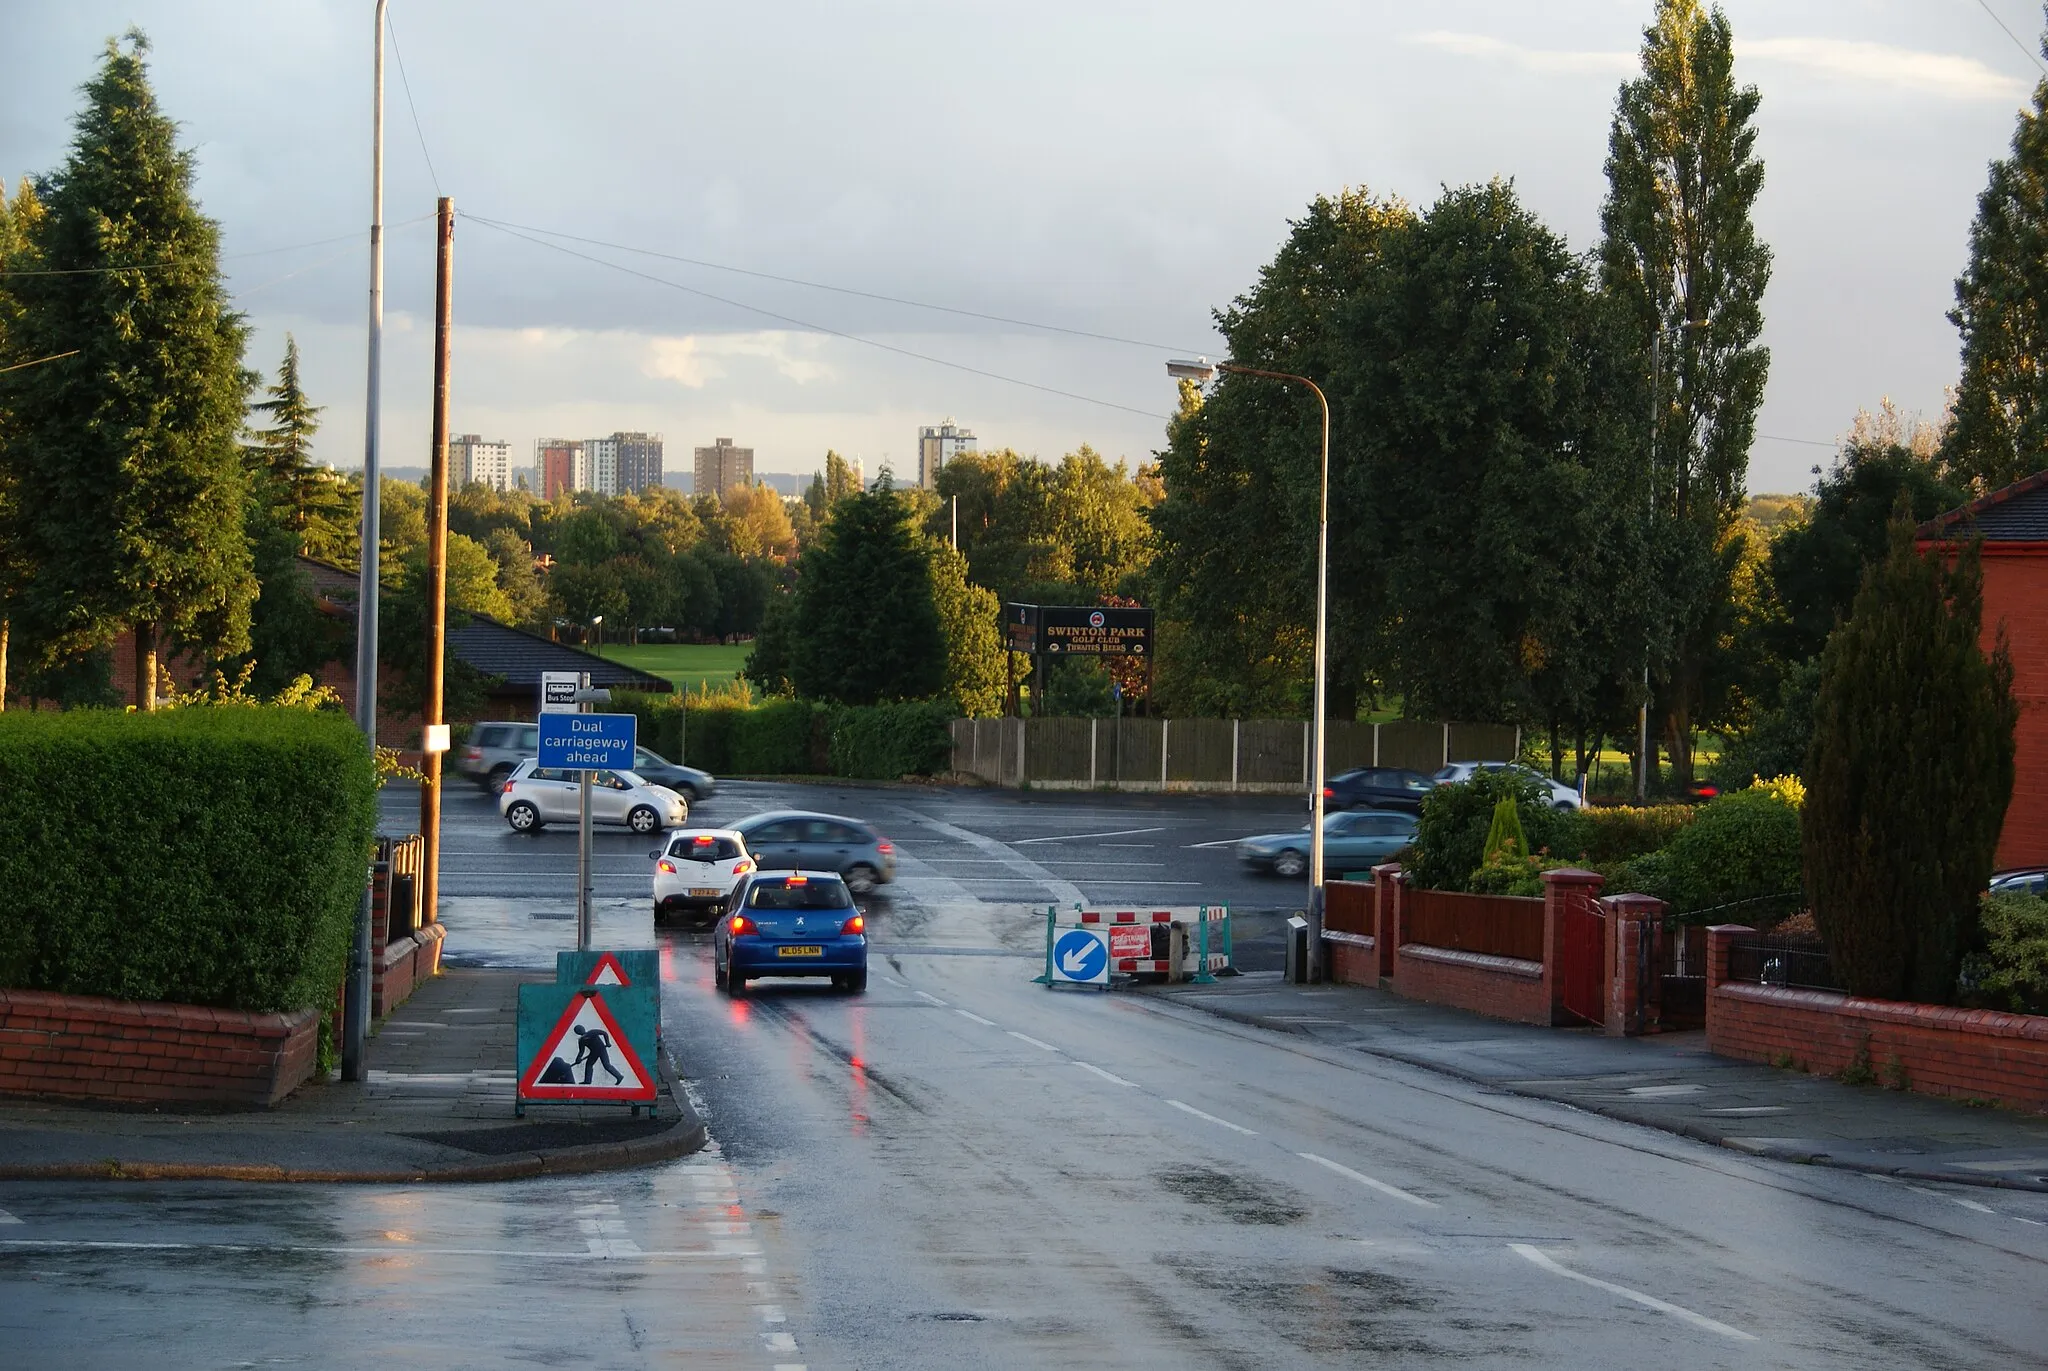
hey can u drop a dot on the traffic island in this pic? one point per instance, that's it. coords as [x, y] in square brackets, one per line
[437, 1106]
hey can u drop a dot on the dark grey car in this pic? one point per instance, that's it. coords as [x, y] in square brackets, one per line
[795, 839]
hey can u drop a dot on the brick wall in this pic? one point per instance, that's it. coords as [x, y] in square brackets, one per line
[1498, 987]
[142, 1052]
[2016, 595]
[1968, 1053]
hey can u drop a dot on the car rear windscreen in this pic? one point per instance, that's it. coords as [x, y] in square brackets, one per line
[815, 894]
[715, 850]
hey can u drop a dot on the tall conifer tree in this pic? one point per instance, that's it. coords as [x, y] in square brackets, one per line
[1681, 255]
[127, 469]
[2000, 433]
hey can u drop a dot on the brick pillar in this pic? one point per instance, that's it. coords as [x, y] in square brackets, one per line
[380, 905]
[1634, 926]
[1563, 888]
[1720, 937]
[1387, 886]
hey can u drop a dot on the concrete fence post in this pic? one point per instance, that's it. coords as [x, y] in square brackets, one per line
[1165, 733]
[1235, 725]
[1093, 726]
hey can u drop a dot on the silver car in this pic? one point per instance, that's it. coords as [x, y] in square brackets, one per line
[793, 839]
[535, 796]
[493, 749]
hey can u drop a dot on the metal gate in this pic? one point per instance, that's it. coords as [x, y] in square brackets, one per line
[1582, 956]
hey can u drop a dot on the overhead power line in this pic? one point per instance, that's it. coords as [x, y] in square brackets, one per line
[848, 290]
[169, 262]
[53, 357]
[406, 83]
[809, 327]
[2032, 56]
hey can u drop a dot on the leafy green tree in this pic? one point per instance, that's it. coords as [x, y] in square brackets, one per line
[770, 664]
[970, 621]
[743, 589]
[126, 472]
[298, 492]
[587, 538]
[867, 630]
[839, 479]
[2000, 432]
[526, 599]
[1908, 774]
[1681, 255]
[583, 593]
[17, 238]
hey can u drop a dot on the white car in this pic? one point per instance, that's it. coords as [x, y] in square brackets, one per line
[697, 870]
[1562, 796]
[535, 796]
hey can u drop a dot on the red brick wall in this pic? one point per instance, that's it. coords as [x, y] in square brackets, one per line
[1351, 964]
[1465, 981]
[2016, 595]
[1969, 1053]
[140, 1052]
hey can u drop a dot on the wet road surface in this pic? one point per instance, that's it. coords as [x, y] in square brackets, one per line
[963, 1169]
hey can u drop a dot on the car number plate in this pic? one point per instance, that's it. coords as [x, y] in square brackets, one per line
[799, 951]
[705, 892]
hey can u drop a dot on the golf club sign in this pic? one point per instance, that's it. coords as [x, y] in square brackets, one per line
[1078, 630]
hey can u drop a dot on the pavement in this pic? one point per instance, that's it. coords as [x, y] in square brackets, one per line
[437, 1106]
[1666, 1081]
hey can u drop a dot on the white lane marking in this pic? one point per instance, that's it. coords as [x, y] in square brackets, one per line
[1971, 1205]
[780, 1342]
[922, 995]
[990, 1023]
[1026, 1037]
[1368, 1182]
[1221, 1123]
[1541, 1259]
[770, 1313]
[6, 1217]
[1072, 837]
[1063, 892]
[1220, 842]
[1107, 1076]
[890, 979]
[717, 1252]
[2034, 1223]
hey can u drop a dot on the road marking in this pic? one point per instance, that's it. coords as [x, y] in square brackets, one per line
[1221, 1123]
[1026, 1037]
[2033, 1223]
[988, 1023]
[771, 1313]
[1063, 892]
[1541, 1259]
[924, 995]
[1368, 1182]
[1971, 1205]
[1098, 880]
[1107, 1076]
[6, 1217]
[780, 1342]
[717, 1252]
[1220, 842]
[1072, 837]
[890, 979]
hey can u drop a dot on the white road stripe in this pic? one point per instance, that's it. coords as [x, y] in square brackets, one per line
[1107, 1076]
[990, 1023]
[6, 1217]
[1026, 1037]
[1221, 1123]
[1071, 837]
[1971, 1205]
[1538, 1258]
[922, 995]
[1367, 1181]
[717, 1252]
[1220, 842]
[890, 979]
[2034, 1223]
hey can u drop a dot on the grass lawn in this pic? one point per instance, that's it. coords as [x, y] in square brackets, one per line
[689, 665]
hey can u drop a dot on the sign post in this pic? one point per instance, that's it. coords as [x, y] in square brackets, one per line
[586, 743]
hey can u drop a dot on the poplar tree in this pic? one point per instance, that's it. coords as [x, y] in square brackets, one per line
[16, 223]
[1681, 257]
[1908, 774]
[127, 471]
[2000, 433]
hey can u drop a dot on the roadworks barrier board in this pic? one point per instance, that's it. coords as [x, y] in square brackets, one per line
[1135, 942]
[587, 1044]
[640, 966]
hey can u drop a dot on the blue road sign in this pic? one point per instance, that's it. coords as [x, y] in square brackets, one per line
[1081, 954]
[588, 742]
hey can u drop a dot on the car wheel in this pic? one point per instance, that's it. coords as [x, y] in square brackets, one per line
[718, 975]
[735, 984]
[523, 817]
[1565, 806]
[862, 880]
[643, 820]
[857, 982]
[495, 781]
[1290, 864]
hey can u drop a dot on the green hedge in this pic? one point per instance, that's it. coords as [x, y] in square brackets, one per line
[1742, 848]
[797, 737]
[211, 856]
[1603, 835]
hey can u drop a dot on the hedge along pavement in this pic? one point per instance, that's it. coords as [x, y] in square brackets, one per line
[207, 855]
[798, 737]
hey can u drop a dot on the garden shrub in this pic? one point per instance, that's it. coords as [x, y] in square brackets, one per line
[211, 856]
[1741, 846]
[1607, 835]
[1450, 838]
[777, 739]
[885, 742]
[2013, 968]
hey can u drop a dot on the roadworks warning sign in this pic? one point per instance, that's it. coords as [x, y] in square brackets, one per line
[586, 1044]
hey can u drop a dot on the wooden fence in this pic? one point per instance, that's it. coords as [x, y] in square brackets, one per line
[1495, 925]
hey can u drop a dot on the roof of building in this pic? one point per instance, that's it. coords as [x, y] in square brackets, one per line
[496, 649]
[2017, 513]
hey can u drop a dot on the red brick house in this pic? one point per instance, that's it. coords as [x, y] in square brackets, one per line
[2014, 525]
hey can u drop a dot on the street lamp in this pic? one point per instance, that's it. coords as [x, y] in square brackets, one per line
[597, 622]
[1201, 370]
[1656, 415]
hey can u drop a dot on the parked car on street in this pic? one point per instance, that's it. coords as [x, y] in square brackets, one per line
[1352, 841]
[791, 923]
[1562, 796]
[687, 781]
[696, 870]
[799, 840]
[1376, 787]
[494, 749]
[2025, 880]
[535, 796]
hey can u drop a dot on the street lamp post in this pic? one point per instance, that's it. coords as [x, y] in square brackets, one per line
[1202, 370]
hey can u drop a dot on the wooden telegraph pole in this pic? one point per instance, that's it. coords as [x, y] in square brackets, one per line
[437, 565]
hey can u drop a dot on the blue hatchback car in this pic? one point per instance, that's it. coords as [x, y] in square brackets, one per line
[791, 923]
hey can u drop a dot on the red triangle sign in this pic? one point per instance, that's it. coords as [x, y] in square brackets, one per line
[586, 1057]
[608, 972]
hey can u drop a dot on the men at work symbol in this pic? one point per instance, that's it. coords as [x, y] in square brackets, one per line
[593, 1049]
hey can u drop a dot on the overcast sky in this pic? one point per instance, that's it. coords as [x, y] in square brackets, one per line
[1112, 167]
